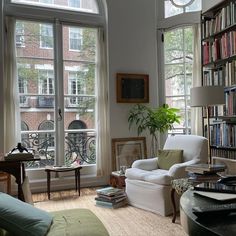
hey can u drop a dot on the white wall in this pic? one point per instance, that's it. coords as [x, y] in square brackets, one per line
[132, 49]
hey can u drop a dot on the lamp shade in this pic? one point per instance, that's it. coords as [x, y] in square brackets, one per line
[207, 96]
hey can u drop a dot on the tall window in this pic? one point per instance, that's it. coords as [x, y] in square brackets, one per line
[75, 83]
[178, 73]
[178, 48]
[75, 37]
[46, 36]
[48, 76]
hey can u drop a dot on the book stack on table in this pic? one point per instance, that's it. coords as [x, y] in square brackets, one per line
[111, 197]
[204, 172]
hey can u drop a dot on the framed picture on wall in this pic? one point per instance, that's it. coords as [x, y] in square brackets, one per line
[126, 150]
[132, 88]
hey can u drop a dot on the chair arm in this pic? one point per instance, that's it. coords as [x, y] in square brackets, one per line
[146, 164]
[178, 170]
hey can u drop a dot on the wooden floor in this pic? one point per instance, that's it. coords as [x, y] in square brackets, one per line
[124, 221]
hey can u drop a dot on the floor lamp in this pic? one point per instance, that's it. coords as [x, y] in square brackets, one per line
[207, 96]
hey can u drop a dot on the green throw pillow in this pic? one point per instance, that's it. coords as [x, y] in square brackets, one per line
[167, 158]
[21, 219]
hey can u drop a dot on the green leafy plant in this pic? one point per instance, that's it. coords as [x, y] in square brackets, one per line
[155, 120]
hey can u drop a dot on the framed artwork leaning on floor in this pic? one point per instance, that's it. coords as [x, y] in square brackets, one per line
[126, 150]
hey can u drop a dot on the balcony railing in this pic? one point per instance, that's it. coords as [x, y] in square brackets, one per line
[79, 147]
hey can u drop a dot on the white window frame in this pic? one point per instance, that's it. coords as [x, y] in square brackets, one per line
[49, 15]
[77, 36]
[165, 24]
[21, 31]
[49, 80]
[24, 88]
[42, 35]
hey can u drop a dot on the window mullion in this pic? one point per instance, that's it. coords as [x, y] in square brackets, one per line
[59, 93]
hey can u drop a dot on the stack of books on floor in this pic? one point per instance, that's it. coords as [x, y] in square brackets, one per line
[111, 197]
[204, 172]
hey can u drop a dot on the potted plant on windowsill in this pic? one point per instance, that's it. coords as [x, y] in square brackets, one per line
[155, 120]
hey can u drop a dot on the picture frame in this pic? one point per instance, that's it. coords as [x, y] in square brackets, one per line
[230, 165]
[132, 88]
[126, 150]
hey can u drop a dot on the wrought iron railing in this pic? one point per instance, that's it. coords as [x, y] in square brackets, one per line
[80, 147]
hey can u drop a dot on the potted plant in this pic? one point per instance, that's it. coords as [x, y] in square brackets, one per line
[155, 120]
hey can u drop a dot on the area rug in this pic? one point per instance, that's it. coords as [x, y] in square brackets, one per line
[124, 221]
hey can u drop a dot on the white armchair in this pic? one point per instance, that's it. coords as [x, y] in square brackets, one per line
[148, 187]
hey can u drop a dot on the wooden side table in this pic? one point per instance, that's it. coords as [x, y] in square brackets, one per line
[6, 177]
[17, 169]
[76, 169]
[117, 180]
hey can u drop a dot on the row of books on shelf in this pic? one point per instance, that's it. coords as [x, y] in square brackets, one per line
[111, 197]
[220, 48]
[215, 111]
[223, 134]
[228, 109]
[222, 152]
[230, 102]
[223, 19]
[224, 75]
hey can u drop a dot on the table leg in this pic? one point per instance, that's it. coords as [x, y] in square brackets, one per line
[78, 176]
[173, 204]
[76, 181]
[48, 183]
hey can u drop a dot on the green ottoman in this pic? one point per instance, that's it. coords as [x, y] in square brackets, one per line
[75, 222]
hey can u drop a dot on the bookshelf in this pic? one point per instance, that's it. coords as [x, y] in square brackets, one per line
[218, 42]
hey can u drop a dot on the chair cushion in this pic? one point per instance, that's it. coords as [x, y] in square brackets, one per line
[167, 158]
[157, 176]
[20, 218]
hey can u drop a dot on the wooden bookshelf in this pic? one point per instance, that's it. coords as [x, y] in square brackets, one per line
[218, 33]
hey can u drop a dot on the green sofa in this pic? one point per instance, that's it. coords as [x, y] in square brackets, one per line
[18, 218]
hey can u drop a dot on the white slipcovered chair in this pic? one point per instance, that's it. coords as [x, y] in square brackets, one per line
[148, 187]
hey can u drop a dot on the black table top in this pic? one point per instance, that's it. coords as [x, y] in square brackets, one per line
[216, 224]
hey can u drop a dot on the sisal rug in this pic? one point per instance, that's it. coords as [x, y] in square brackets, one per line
[124, 221]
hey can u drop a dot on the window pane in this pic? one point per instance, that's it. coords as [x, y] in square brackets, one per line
[79, 94]
[181, 6]
[36, 92]
[171, 10]
[89, 6]
[76, 37]
[195, 6]
[174, 46]
[46, 36]
[174, 76]
[178, 73]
